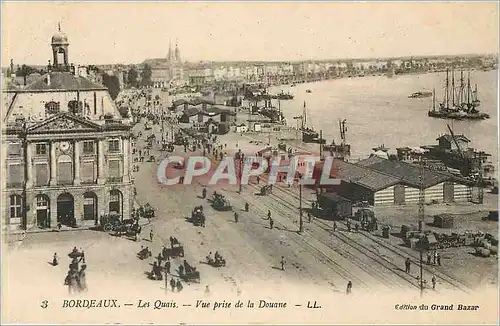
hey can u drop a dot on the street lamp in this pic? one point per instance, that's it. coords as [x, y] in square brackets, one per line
[301, 221]
[239, 156]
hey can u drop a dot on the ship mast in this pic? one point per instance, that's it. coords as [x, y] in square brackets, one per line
[468, 88]
[447, 86]
[453, 87]
[433, 99]
[304, 116]
[461, 96]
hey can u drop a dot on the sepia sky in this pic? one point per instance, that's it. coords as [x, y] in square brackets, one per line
[129, 32]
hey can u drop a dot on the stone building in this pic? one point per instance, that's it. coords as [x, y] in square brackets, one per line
[66, 150]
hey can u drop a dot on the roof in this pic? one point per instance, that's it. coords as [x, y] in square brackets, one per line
[407, 173]
[363, 176]
[62, 81]
[449, 138]
[334, 197]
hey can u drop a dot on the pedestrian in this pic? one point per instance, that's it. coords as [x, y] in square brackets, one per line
[151, 234]
[178, 285]
[428, 257]
[348, 225]
[438, 259]
[167, 267]
[246, 207]
[159, 259]
[407, 265]
[433, 280]
[172, 284]
[349, 288]
[271, 223]
[283, 263]
[268, 214]
[334, 226]
[235, 217]
[54, 260]
[258, 179]
[309, 217]
[435, 257]
[207, 290]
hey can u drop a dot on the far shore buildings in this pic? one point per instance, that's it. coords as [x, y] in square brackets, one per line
[66, 150]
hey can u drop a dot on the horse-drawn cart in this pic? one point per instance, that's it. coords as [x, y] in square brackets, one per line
[266, 190]
[193, 276]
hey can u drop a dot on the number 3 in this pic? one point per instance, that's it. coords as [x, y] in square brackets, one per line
[44, 304]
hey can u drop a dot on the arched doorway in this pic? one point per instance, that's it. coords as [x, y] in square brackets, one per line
[42, 211]
[116, 202]
[65, 209]
[89, 206]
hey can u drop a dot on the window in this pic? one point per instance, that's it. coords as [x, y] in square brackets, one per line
[114, 169]
[88, 147]
[51, 107]
[41, 174]
[16, 204]
[114, 145]
[42, 201]
[41, 149]
[88, 172]
[14, 149]
[64, 170]
[115, 197]
[14, 175]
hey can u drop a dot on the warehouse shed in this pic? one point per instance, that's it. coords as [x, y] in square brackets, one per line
[439, 186]
[335, 205]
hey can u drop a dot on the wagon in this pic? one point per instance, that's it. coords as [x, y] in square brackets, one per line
[175, 252]
[191, 277]
[265, 190]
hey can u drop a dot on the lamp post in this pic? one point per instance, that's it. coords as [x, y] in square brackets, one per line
[240, 157]
[301, 221]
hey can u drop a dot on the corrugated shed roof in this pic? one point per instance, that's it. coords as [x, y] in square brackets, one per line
[62, 81]
[362, 176]
[334, 197]
[407, 173]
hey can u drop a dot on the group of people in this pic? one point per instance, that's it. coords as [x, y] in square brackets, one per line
[217, 260]
[76, 277]
[433, 258]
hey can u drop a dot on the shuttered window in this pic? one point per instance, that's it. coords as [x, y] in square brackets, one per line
[41, 174]
[88, 172]
[14, 175]
[114, 168]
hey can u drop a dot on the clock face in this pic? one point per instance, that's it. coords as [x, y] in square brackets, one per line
[64, 146]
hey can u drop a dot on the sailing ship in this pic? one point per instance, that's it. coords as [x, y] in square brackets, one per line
[309, 135]
[340, 151]
[459, 103]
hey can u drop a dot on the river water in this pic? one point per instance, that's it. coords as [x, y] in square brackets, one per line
[378, 111]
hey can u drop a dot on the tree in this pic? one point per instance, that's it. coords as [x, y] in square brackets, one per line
[132, 77]
[146, 75]
[112, 83]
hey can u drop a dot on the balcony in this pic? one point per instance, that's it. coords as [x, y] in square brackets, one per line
[115, 179]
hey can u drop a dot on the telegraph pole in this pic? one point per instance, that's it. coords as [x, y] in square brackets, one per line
[421, 217]
[301, 222]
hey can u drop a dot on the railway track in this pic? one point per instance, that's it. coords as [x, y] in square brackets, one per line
[460, 285]
[348, 257]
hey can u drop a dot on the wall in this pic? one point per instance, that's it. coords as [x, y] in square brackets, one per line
[462, 193]
[435, 193]
[411, 195]
[384, 196]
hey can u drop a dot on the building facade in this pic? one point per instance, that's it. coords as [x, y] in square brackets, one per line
[66, 150]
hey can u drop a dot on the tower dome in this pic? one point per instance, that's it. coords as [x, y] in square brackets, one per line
[59, 37]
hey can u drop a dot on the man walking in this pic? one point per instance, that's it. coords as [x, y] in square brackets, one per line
[283, 263]
[433, 280]
[167, 267]
[151, 235]
[271, 223]
[407, 265]
[349, 288]
[235, 217]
